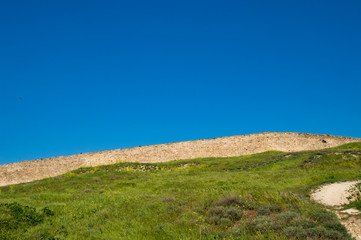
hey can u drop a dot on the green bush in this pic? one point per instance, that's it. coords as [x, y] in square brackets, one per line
[262, 223]
[295, 232]
[233, 213]
[226, 222]
[323, 216]
[335, 225]
[217, 211]
[276, 208]
[215, 220]
[16, 218]
[286, 217]
[263, 211]
[334, 235]
[304, 223]
[14, 215]
[316, 232]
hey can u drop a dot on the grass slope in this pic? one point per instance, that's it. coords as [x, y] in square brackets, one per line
[260, 196]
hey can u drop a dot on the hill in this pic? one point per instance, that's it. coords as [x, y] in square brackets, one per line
[28, 171]
[258, 196]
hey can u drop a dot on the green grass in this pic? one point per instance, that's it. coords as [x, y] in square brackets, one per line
[356, 198]
[260, 196]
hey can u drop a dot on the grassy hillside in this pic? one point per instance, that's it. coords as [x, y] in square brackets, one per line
[260, 196]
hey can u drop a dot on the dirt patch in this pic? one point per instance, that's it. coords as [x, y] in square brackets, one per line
[28, 171]
[336, 194]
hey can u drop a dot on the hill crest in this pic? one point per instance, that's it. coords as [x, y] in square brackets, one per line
[28, 171]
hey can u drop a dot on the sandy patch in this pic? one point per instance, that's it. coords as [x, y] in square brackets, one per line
[336, 194]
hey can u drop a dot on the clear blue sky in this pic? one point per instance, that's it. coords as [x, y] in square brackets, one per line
[82, 76]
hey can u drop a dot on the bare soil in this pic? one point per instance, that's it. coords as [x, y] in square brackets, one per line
[28, 171]
[336, 194]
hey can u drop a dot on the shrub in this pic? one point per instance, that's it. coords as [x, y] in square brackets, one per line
[47, 212]
[323, 216]
[275, 208]
[334, 225]
[316, 232]
[246, 204]
[304, 223]
[263, 211]
[234, 200]
[228, 200]
[233, 213]
[226, 222]
[333, 234]
[14, 215]
[217, 211]
[261, 223]
[286, 217]
[295, 232]
[214, 220]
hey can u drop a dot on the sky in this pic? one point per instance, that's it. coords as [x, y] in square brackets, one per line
[84, 76]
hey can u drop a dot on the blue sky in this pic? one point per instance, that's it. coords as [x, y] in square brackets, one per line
[82, 76]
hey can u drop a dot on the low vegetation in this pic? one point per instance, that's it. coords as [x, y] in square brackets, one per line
[355, 198]
[260, 196]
